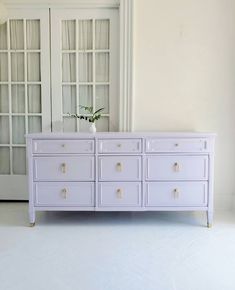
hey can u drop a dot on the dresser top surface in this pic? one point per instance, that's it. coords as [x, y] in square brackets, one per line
[104, 135]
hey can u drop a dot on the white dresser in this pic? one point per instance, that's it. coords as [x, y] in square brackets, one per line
[120, 172]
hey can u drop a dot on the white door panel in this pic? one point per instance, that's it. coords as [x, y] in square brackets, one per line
[24, 93]
[84, 67]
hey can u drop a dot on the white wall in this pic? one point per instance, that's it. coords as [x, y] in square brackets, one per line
[184, 53]
[185, 75]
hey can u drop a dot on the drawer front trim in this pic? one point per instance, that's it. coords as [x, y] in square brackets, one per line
[176, 145]
[120, 146]
[120, 168]
[119, 194]
[64, 194]
[63, 146]
[66, 168]
[176, 194]
[175, 167]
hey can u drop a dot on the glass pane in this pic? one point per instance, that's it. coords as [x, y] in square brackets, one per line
[68, 35]
[4, 100]
[3, 67]
[19, 160]
[102, 67]
[33, 34]
[3, 36]
[69, 67]
[18, 129]
[102, 98]
[17, 67]
[102, 34]
[4, 160]
[85, 67]
[16, 34]
[102, 125]
[34, 99]
[18, 99]
[34, 67]
[4, 129]
[35, 124]
[69, 124]
[84, 126]
[69, 99]
[84, 34]
[85, 97]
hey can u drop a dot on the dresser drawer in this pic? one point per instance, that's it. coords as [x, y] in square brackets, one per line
[64, 194]
[115, 194]
[172, 167]
[176, 194]
[67, 168]
[176, 145]
[120, 146]
[119, 168]
[63, 146]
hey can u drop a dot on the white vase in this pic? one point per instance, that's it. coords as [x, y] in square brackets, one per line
[92, 128]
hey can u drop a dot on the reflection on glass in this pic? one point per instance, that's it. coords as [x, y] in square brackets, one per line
[33, 67]
[102, 34]
[69, 99]
[3, 67]
[84, 34]
[35, 124]
[34, 99]
[16, 34]
[85, 67]
[19, 160]
[68, 35]
[102, 67]
[68, 67]
[4, 129]
[33, 34]
[85, 97]
[3, 36]
[17, 67]
[18, 129]
[4, 100]
[4, 160]
[18, 98]
[102, 98]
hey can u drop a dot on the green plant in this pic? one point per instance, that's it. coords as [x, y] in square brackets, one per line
[94, 116]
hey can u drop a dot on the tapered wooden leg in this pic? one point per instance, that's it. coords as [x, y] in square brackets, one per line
[32, 217]
[209, 219]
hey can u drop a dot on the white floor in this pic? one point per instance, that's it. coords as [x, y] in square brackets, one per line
[112, 251]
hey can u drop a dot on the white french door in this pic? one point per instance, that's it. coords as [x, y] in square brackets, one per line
[24, 93]
[85, 66]
[78, 65]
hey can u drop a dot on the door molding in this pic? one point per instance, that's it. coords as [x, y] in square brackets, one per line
[126, 92]
[126, 66]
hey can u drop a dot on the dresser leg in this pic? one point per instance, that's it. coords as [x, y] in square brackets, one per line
[32, 217]
[209, 219]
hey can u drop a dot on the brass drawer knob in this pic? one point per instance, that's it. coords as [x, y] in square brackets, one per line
[176, 167]
[119, 166]
[63, 167]
[64, 193]
[119, 193]
[176, 193]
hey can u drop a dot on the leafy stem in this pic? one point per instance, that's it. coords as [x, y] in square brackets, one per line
[94, 116]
